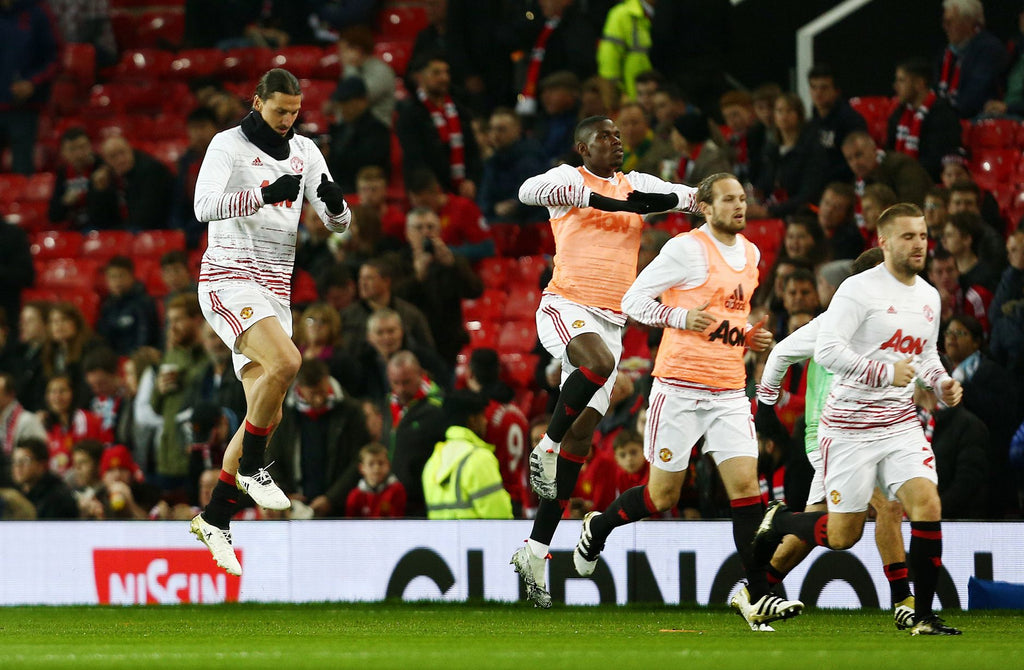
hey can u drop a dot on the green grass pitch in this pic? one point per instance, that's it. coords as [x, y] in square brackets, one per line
[488, 636]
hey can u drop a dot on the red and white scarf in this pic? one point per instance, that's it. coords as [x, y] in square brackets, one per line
[449, 127]
[398, 409]
[529, 93]
[12, 426]
[949, 78]
[908, 131]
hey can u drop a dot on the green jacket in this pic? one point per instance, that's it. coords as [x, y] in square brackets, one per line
[622, 53]
[172, 454]
[461, 480]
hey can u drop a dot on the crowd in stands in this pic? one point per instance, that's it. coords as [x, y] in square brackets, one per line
[416, 327]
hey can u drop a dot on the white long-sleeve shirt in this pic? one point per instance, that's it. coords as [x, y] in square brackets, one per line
[873, 321]
[796, 347]
[561, 188]
[250, 242]
[682, 263]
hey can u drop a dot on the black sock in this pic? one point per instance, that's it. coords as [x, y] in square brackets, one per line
[223, 503]
[925, 559]
[634, 504]
[811, 527]
[549, 513]
[567, 472]
[254, 443]
[576, 392]
[899, 585]
[746, 517]
[774, 575]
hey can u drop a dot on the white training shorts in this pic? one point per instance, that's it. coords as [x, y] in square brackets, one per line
[559, 320]
[853, 468]
[677, 417]
[816, 494]
[232, 310]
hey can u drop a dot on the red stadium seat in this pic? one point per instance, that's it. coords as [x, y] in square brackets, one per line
[504, 236]
[482, 335]
[874, 107]
[529, 270]
[517, 337]
[39, 186]
[64, 274]
[992, 134]
[39, 295]
[522, 302]
[246, 64]
[395, 54]
[301, 61]
[495, 272]
[87, 301]
[105, 244]
[78, 61]
[191, 63]
[403, 22]
[11, 187]
[155, 243]
[488, 307]
[31, 216]
[165, 29]
[994, 167]
[518, 369]
[315, 92]
[143, 64]
[51, 244]
[329, 66]
[166, 151]
[147, 271]
[767, 235]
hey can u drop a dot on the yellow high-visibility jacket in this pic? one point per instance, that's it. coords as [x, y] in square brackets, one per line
[461, 479]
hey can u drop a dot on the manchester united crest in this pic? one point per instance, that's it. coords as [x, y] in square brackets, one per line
[246, 312]
[297, 164]
[835, 496]
[665, 455]
[929, 314]
[579, 323]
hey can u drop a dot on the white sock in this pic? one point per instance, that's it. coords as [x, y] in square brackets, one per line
[537, 549]
[546, 443]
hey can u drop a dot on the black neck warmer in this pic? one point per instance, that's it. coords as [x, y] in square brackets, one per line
[263, 136]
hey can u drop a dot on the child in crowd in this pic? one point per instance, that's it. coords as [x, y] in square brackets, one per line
[379, 493]
[632, 468]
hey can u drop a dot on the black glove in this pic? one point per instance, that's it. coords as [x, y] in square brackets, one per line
[648, 203]
[606, 204]
[331, 194]
[285, 188]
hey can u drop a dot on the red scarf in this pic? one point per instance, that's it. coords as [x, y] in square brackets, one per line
[398, 410]
[686, 162]
[449, 127]
[949, 79]
[12, 424]
[536, 57]
[908, 132]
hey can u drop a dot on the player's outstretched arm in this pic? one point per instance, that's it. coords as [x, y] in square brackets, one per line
[669, 268]
[797, 347]
[651, 189]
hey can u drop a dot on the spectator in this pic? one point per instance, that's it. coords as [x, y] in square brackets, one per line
[643, 151]
[179, 370]
[315, 449]
[961, 447]
[177, 277]
[337, 287]
[956, 299]
[355, 49]
[900, 172]
[16, 270]
[14, 506]
[318, 334]
[924, 126]
[142, 426]
[804, 239]
[462, 479]
[955, 172]
[794, 164]
[210, 428]
[372, 193]
[832, 120]
[631, 468]
[200, 125]
[432, 277]
[876, 199]
[128, 318]
[669, 104]
[1013, 103]
[700, 156]
[84, 479]
[123, 495]
[966, 197]
[764, 97]
[29, 66]
[47, 492]
[961, 237]
[70, 339]
[314, 252]
[830, 276]
[374, 419]
[27, 366]
[1006, 313]
[835, 215]
[215, 382]
[16, 423]
[417, 423]
[435, 133]
[482, 59]
[514, 160]
[379, 494]
[746, 136]
[434, 38]
[972, 65]
[647, 84]
[936, 207]
[106, 391]
[375, 283]
[87, 22]
[358, 138]
[560, 96]
[66, 424]
[137, 182]
[69, 204]
[557, 38]
[463, 227]
[624, 405]
[507, 427]
[623, 51]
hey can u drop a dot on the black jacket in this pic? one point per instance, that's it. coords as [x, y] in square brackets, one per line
[960, 444]
[129, 321]
[413, 442]
[364, 141]
[831, 130]
[141, 199]
[16, 272]
[52, 498]
[422, 146]
[940, 135]
[799, 173]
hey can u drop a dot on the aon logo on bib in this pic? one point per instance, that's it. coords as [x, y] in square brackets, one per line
[904, 344]
[733, 336]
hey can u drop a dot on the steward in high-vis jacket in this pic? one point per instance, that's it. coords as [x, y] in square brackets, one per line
[462, 480]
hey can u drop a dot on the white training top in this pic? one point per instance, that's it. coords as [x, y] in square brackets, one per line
[561, 188]
[249, 242]
[682, 263]
[873, 321]
[796, 347]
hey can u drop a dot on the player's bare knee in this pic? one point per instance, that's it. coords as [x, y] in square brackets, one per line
[664, 499]
[843, 538]
[282, 370]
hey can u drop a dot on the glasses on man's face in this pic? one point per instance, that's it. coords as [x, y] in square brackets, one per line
[21, 462]
[952, 332]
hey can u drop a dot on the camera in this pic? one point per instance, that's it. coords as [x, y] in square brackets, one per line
[428, 245]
